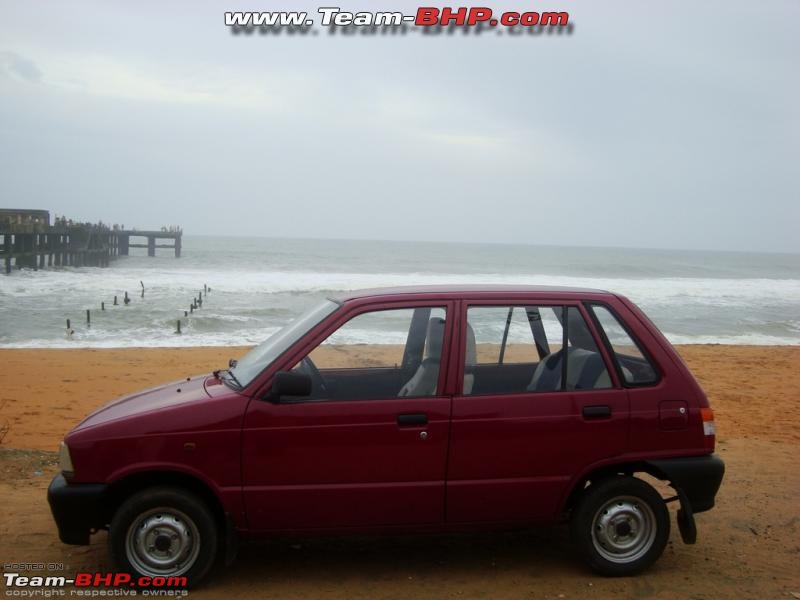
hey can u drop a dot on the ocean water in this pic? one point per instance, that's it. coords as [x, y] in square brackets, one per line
[258, 284]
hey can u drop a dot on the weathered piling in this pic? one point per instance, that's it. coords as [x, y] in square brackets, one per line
[88, 317]
[178, 330]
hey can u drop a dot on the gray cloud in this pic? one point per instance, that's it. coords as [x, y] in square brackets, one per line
[644, 127]
[20, 67]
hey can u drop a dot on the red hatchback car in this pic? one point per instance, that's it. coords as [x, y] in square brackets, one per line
[405, 410]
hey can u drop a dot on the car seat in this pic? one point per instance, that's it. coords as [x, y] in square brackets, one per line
[470, 360]
[585, 371]
[424, 381]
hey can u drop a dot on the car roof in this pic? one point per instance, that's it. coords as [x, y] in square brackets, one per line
[472, 291]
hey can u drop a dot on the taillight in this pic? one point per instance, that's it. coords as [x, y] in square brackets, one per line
[709, 429]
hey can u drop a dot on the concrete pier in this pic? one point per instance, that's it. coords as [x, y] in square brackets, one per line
[151, 245]
[30, 241]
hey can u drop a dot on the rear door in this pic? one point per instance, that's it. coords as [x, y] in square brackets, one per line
[367, 448]
[525, 424]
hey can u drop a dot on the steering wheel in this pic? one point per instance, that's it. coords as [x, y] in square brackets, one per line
[308, 367]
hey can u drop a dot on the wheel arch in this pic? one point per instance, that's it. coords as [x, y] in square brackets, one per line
[124, 487]
[599, 473]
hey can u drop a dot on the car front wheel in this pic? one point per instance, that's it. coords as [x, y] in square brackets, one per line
[164, 532]
[620, 526]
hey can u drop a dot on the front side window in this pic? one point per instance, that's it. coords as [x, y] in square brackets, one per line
[521, 349]
[379, 354]
[635, 367]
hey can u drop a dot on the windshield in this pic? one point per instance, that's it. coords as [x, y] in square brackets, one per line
[255, 361]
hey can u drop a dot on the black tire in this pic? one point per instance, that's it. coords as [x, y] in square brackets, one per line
[164, 531]
[620, 526]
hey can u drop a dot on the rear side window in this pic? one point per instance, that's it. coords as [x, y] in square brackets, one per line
[636, 368]
[521, 349]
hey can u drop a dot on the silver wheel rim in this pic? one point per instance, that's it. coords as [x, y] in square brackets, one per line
[162, 541]
[624, 529]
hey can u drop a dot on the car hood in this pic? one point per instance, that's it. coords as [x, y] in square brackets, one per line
[185, 391]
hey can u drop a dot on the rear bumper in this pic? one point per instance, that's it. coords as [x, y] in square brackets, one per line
[78, 509]
[697, 478]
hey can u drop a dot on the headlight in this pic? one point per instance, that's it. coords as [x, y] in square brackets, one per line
[65, 460]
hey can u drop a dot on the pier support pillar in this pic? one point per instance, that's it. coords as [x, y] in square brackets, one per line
[151, 245]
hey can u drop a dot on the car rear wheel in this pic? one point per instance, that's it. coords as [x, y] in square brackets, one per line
[164, 532]
[620, 526]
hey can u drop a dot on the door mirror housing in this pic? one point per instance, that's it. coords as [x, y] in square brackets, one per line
[287, 383]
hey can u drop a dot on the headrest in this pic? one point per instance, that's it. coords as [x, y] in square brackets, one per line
[434, 337]
[471, 357]
[579, 333]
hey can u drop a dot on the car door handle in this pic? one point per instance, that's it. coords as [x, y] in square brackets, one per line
[596, 412]
[411, 420]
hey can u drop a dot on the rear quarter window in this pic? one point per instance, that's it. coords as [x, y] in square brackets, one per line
[632, 362]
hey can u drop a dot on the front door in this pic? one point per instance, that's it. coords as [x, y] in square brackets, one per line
[368, 447]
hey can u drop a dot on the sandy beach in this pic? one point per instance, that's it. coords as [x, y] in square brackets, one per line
[748, 545]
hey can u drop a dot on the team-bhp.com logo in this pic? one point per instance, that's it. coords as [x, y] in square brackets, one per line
[34, 585]
[425, 16]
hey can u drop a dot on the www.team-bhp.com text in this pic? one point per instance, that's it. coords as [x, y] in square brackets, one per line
[425, 16]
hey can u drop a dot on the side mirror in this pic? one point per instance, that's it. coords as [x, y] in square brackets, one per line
[287, 383]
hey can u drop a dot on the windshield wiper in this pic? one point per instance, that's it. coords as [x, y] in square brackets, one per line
[232, 376]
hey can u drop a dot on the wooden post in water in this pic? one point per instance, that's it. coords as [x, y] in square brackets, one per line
[178, 330]
[102, 306]
[7, 251]
[88, 317]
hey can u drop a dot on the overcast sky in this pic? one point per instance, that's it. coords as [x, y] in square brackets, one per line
[674, 125]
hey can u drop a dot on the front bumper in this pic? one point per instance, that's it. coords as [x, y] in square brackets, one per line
[78, 509]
